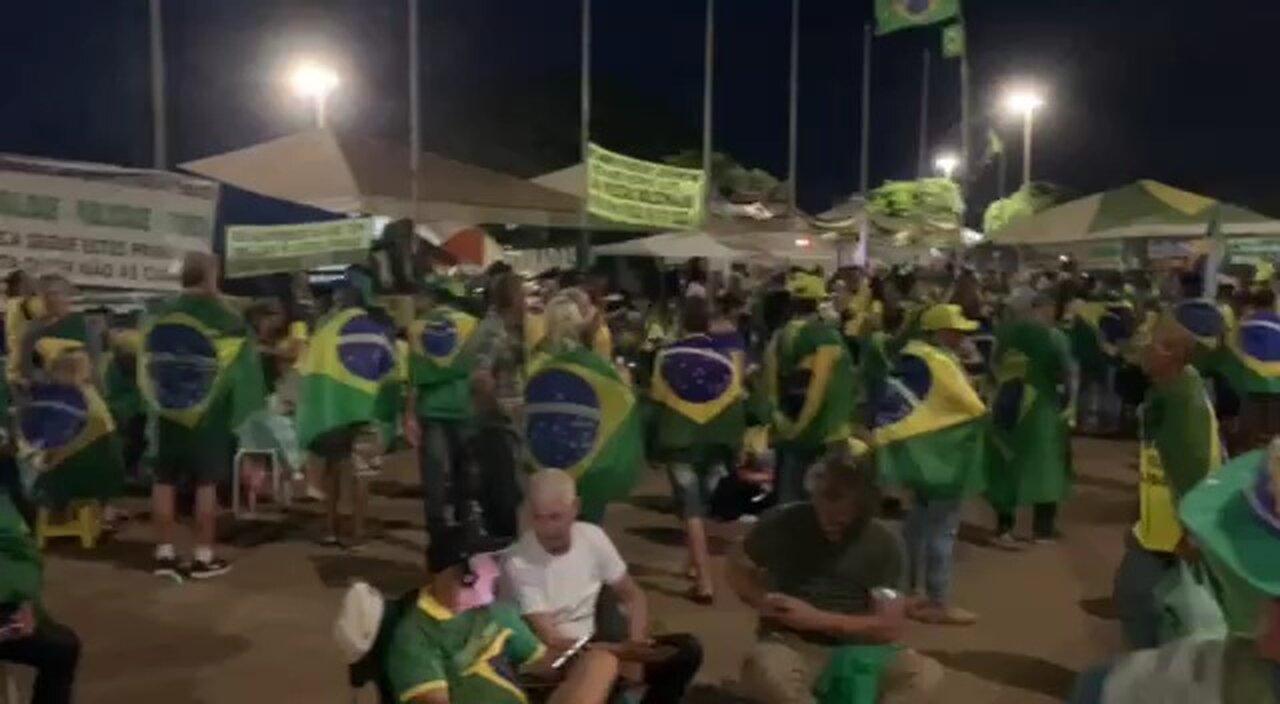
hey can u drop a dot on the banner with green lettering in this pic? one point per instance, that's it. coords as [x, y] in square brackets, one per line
[640, 192]
[101, 225]
[269, 249]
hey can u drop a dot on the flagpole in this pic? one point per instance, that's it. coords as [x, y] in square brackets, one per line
[922, 167]
[864, 157]
[584, 136]
[793, 135]
[159, 128]
[415, 105]
[708, 92]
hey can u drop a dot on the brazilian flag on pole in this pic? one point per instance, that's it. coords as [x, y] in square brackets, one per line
[65, 425]
[893, 15]
[581, 417]
[929, 425]
[697, 384]
[1250, 359]
[810, 383]
[953, 41]
[197, 369]
[348, 377]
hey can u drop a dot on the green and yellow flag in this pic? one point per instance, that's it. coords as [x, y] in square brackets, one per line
[810, 383]
[1250, 359]
[893, 15]
[347, 377]
[929, 424]
[581, 417]
[197, 368]
[441, 362]
[65, 426]
[953, 41]
[697, 384]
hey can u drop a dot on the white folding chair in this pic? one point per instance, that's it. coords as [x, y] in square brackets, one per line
[280, 490]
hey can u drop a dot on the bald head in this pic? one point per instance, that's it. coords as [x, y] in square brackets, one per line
[1169, 350]
[553, 508]
[200, 271]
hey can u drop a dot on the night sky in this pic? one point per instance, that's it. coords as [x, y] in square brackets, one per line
[1177, 90]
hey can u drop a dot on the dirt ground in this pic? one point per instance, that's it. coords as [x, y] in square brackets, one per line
[262, 633]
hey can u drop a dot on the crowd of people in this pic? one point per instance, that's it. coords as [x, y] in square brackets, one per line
[814, 408]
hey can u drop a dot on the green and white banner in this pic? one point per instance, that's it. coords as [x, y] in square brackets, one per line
[269, 249]
[1253, 250]
[639, 192]
[101, 225]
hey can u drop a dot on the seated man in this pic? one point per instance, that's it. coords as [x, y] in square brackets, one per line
[810, 569]
[556, 572]
[27, 635]
[452, 646]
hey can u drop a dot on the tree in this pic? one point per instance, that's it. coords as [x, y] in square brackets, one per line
[729, 177]
[1024, 203]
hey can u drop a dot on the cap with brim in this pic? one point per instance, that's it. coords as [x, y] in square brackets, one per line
[809, 287]
[1201, 318]
[1232, 515]
[946, 316]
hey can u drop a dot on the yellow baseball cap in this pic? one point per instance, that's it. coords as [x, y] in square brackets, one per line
[806, 286]
[946, 316]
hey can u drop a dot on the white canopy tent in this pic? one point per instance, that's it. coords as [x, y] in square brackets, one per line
[672, 245]
[348, 174]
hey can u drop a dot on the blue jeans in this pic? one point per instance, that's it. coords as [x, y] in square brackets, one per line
[929, 532]
[443, 463]
[1134, 593]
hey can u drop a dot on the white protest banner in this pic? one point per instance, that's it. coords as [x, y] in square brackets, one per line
[269, 249]
[640, 192]
[101, 225]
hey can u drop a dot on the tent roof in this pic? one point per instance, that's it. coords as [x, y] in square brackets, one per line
[345, 173]
[1141, 209]
[671, 245]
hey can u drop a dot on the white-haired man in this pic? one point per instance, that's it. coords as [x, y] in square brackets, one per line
[556, 571]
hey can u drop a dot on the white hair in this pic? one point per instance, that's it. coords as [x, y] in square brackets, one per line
[552, 487]
[564, 317]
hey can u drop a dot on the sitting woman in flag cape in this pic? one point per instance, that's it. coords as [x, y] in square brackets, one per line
[579, 414]
[698, 426]
[348, 400]
[65, 429]
[1034, 399]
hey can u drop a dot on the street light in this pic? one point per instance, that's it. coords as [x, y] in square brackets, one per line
[1025, 102]
[315, 82]
[946, 163]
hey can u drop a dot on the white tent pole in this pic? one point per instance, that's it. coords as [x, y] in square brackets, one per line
[415, 106]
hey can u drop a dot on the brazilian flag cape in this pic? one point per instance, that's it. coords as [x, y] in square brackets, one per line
[929, 425]
[1250, 359]
[810, 383]
[347, 377]
[441, 361]
[198, 371]
[1098, 333]
[697, 388]
[69, 427]
[582, 417]
[1029, 461]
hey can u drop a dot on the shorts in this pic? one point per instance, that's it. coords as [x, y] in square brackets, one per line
[185, 458]
[337, 447]
[691, 488]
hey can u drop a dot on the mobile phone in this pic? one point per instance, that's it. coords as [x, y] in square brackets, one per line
[567, 655]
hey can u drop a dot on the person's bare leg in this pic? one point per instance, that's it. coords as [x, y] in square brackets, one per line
[359, 502]
[162, 513]
[332, 494]
[589, 679]
[695, 530]
[206, 510]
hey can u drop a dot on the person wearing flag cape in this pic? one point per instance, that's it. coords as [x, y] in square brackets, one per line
[438, 408]
[698, 425]
[1249, 363]
[1178, 448]
[580, 415]
[929, 427]
[809, 379]
[64, 426]
[201, 377]
[1030, 458]
[347, 400]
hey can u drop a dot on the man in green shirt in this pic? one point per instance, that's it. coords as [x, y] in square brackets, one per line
[27, 635]
[453, 645]
[1179, 448]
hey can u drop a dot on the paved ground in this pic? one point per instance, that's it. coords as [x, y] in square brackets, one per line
[261, 634]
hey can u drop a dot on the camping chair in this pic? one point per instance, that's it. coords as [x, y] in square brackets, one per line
[280, 490]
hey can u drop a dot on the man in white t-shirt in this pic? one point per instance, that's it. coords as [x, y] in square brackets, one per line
[555, 573]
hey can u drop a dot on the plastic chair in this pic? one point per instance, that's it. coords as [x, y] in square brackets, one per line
[85, 523]
[279, 490]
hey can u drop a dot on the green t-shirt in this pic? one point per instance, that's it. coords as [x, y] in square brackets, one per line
[791, 547]
[20, 567]
[1177, 417]
[473, 655]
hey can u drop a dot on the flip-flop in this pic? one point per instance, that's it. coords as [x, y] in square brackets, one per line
[700, 597]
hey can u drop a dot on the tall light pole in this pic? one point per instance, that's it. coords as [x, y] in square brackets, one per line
[315, 82]
[1025, 102]
[946, 164]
